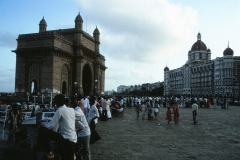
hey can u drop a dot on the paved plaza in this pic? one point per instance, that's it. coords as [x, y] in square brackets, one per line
[216, 136]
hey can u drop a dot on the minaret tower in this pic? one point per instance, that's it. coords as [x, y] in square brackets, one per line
[78, 29]
[42, 26]
[96, 35]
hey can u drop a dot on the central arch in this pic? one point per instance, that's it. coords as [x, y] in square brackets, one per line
[86, 80]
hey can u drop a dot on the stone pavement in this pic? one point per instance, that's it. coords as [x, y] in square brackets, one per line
[216, 136]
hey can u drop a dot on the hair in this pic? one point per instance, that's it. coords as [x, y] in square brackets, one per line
[66, 101]
[92, 100]
[168, 108]
[73, 104]
[59, 100]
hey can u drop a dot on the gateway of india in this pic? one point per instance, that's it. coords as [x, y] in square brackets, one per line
[202, 76]
[66, 61]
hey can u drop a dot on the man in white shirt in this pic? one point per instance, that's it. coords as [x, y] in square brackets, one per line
[194, 112]
[85, 100]
[64, 119]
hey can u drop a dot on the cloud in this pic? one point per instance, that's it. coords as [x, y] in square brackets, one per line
[139, 37]
[147, 31]
[8, 39]
[7, 80]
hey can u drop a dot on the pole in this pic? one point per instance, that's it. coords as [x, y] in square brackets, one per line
[51, 101]
[42, 99]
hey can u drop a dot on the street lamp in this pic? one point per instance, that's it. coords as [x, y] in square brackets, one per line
[96, 88]
[76, 88]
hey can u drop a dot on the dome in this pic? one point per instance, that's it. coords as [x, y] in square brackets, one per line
[43, 21]
[78, 18]
[166, 69]
[228, 52]
[199, 45]
[96, 31]
[208, 50]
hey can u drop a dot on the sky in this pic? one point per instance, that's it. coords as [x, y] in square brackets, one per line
[138, 37]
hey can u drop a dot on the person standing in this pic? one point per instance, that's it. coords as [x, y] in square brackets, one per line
[176, 112]
[169, 115]
[64, 120]
[138, 106]
[92, 115]
[124, 102]
[149, 108]
[15, 118]
[143, 109]
[83, 136]
[194, 112]
[85, 100]
[108, 103]
[156, 110]
[104, 109]
[215, 103]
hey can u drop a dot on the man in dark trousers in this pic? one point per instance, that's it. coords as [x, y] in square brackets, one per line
[63, 121]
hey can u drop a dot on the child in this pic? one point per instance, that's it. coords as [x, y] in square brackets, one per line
[168, 115]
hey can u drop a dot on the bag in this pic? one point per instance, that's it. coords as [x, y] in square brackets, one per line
[21, 133]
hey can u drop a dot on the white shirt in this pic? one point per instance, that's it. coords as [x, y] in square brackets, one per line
[86, 103]
[86, 130]
[64, 118]
[93, 112]
[108, 103]
[194, 107]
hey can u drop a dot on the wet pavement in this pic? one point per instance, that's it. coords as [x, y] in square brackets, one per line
[216, 136]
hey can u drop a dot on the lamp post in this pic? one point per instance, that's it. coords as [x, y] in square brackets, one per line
[96, 86]
[75, 88]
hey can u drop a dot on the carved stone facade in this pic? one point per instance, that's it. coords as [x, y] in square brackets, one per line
[66, 61]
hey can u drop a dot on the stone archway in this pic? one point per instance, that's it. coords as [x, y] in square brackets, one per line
[87, 80]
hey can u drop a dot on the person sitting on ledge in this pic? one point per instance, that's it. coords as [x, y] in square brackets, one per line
[64, 118]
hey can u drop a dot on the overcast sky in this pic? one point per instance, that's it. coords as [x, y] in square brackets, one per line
[138, 37]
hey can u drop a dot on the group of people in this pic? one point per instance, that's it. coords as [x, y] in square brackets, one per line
[72, 128]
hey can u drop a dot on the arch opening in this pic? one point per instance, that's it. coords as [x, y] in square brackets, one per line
[64, 87]
[86, 80]
[34, 88]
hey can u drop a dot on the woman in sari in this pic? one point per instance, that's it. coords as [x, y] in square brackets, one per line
[176, 112]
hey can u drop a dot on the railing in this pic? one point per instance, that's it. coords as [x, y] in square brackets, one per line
[4, 109]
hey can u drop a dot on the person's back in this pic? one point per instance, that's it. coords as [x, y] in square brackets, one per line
[66, 119]
[83, 135]
[194, 107]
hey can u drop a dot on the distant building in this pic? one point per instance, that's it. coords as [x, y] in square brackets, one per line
[143, 87]
[66, 61]
[122, 88]
[109, 93]
[202, 76]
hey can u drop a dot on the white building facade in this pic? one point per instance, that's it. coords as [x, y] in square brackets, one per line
[202, 76]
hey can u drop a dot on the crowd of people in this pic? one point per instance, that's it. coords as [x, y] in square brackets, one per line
[72, 127]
